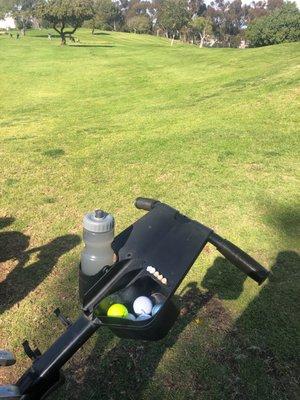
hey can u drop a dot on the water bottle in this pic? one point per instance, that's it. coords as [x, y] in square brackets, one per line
[98, 234]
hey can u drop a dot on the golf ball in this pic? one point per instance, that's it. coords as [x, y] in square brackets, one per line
[155, 309]
[142, 305]
[117, 311]
[143, 317]
[151, 269]
[158, 298]
[131, 317]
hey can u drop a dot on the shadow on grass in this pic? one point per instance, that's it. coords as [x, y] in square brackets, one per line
[24, 278]
[54, 153]
[285, 218]
[101, 34]
[254, 357]
[9, 139]
[270, 337]
[224, 280]
[53, 35]
[109, 377]
[6, 221]
[217, 359]
[90, 45]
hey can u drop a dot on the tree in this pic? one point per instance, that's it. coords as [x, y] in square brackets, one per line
[64, 14]
[106, 15]
[6, 7]
[20, 10]
[197, 7]
[139, 24]
[228, 20]
[137, 7]
[256, 10]
[172, 16]
[282, 25]
[138, 16]
[202, 27]
[217, 12]
[22, 13]
[274, 4]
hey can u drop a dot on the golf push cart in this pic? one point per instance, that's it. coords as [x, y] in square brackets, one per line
[151, 258]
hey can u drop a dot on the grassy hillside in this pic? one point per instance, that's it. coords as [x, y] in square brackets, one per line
[214, 133]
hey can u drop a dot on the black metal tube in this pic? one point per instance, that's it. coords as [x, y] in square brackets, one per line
[239, 258]
[45, 369]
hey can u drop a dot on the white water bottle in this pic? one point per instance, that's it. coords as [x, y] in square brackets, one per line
[98, 234]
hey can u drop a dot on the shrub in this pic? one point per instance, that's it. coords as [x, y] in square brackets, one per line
[282, 25]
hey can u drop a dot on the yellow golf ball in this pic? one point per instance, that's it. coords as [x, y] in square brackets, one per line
[117, 311]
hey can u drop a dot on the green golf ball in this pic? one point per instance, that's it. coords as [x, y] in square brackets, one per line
[117, 311]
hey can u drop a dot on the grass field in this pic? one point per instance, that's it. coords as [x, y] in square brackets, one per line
[213, 132]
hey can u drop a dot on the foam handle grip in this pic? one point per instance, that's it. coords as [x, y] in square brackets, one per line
[239, 258]
[145, 204]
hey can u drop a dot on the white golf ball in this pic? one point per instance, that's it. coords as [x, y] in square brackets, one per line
[143, 317]
[151, 269]
[142, 305]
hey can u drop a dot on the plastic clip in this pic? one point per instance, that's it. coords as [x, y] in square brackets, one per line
[64, 320]
[32, 354]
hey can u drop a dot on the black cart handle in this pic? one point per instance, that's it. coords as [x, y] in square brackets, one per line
[239, 258]
[144, 203]
[230, 251]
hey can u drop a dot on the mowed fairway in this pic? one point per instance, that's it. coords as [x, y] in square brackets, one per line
[213, 132]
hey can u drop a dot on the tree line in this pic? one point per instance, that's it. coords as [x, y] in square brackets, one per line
[220, 23]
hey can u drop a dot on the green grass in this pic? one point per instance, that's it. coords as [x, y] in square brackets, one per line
[213, 132]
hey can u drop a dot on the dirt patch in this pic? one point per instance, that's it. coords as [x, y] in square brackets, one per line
[218, 317]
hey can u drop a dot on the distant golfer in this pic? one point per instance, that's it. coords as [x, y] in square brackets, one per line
[49, 36]
[18, 36]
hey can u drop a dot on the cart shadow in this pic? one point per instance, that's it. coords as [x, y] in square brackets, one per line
[26, 276]
[272, 323]
[224, 280]
[6, 221]
[286, 219]
[257, 353]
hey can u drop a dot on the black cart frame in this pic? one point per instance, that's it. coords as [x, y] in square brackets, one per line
[162, 238]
